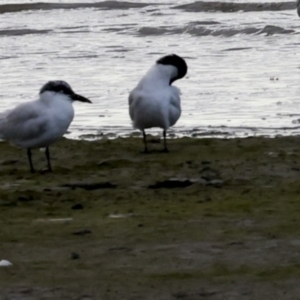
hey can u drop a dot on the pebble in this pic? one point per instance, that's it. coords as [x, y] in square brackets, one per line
[5, 263]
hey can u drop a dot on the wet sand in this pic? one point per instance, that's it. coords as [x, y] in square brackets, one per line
[214, 218]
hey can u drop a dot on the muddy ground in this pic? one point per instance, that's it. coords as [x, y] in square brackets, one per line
[212, 219]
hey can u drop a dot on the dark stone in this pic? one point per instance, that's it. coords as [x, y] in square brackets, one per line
[171, 183]
[25, 198]
[180, 295]
[77, 206]
[82, 232]
[75, 255]
[90, 186]
[9, 162]
[9, 203]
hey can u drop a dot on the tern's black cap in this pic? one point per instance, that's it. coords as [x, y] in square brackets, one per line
[62, 87]
[176, 61]
[57, 86]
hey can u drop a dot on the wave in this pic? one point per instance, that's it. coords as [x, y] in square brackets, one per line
[14, 32]
[204, 31]
[158, 31]
[10, 8]
[198, 6]
[203, 6]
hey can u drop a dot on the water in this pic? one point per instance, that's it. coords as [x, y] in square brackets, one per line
[244, 67]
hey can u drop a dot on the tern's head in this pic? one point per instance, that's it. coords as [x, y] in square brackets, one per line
[62, 88]
[174, 61]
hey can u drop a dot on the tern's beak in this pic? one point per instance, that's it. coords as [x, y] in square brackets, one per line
[80, 98]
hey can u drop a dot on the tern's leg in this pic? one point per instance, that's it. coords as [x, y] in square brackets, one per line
[30, 161]
[48, 159]
[165, 141]
[145, 142]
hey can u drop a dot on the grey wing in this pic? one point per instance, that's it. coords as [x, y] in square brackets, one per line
[133, 102]
[175, 106]
[22, 124]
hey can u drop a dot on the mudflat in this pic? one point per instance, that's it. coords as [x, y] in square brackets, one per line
[212, 219]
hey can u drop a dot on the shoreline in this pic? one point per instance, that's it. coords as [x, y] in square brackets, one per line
[181, 132]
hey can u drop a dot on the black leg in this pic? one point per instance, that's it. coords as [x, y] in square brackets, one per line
[165, 141]
[30, 161]
[145, 142]
[48, 159]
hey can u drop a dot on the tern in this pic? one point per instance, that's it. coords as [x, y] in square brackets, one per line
[155, 102]
[39, 123]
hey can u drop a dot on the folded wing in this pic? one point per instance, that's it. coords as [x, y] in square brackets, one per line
[22, 124]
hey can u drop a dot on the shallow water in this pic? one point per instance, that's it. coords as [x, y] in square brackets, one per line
[243, 66]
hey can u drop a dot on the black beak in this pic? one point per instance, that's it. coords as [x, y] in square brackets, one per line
[80, 98]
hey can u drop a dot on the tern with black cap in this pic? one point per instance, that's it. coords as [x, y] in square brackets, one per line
[39, 123]
[155, 102]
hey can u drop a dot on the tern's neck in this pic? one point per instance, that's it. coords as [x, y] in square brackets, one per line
[159, 75]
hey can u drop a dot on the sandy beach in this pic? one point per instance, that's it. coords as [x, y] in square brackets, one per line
[212, 219]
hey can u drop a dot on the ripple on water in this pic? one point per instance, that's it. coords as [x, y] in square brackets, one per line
[205, 31]
[15, 32]
[9, 8]
[208, 6]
